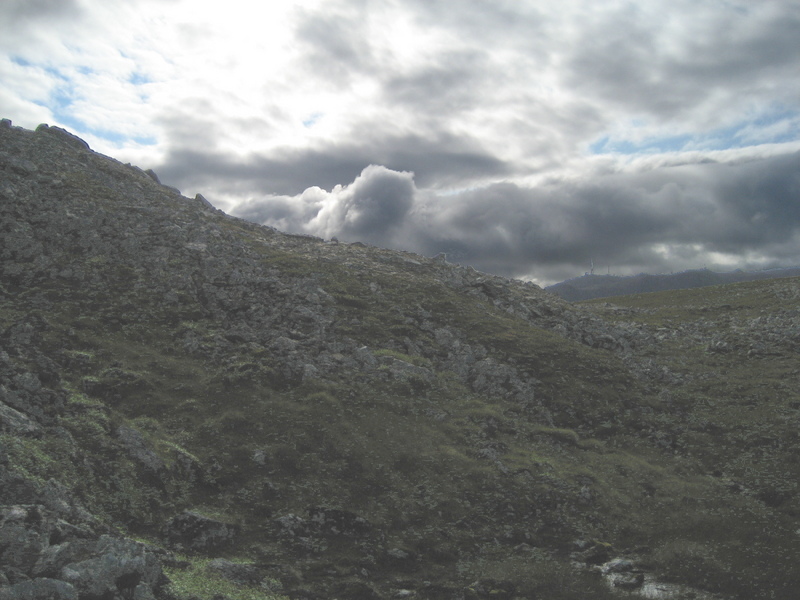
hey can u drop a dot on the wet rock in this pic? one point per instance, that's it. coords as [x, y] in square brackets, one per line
[596, 554]
[628, 581]
[618, 565]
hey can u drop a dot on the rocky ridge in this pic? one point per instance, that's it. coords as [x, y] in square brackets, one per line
[356, 422]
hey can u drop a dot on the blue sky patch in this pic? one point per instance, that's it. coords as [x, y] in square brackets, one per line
[773, 127]
[18, 60]
[137, 78]
[312, 119]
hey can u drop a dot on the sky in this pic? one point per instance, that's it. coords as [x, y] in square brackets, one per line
[531, 139]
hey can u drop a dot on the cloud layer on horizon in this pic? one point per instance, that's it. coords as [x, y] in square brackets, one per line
[711, 214]
[524, 138]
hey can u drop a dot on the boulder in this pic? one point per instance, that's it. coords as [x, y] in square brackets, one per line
[118, 568]
[137, 448]
[44, 556]
[39, 589]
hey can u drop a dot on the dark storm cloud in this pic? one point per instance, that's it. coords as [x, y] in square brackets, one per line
[661, 220]
[441, 160]
[666, 219]
[669, 67]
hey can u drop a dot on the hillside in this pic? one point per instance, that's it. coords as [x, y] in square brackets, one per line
[194, 406]
[589, 287]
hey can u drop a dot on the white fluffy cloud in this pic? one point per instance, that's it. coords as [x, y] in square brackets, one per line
[372, 208]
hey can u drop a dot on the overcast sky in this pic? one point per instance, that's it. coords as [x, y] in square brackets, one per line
[526, 138]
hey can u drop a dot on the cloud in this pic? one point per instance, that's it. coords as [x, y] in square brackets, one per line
[675, 71]
[369, 209]
[659, 220]
[437, 161]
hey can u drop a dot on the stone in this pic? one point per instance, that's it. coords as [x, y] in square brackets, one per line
[291, 526]
[596, 554]
[13, 421]
[137, 449]
[618, 565]
[193, 531]
[117, 567]
[39, 589]
[628, 581]
[202, 199]
[64, 136]
[24, 535]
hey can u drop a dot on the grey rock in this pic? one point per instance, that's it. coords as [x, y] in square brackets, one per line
[405, 371]
[21, 166]
[628, 581]
[118, 568]
[290, 526]
[206, 204]
[13, 421]
[23, 536]
[618, 565]
[39, 589]
[194, 531]
[63, 135]
[137, 449]
[66, 560]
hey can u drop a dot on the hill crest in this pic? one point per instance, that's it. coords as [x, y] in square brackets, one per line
[339, 420]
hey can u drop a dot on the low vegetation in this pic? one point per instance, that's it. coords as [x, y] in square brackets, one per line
[353, 422]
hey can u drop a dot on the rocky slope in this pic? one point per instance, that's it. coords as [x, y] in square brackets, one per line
[192, 405]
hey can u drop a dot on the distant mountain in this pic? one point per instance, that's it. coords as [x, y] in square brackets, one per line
[196, 407]
[588, 287]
